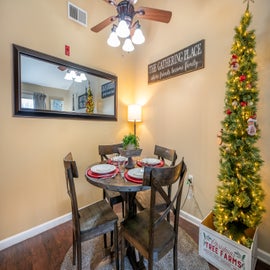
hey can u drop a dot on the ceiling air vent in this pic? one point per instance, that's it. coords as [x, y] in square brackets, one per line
[77, 14]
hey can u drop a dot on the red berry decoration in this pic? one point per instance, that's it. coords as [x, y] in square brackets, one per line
[243, 103]
[228, 111]
[242, 78]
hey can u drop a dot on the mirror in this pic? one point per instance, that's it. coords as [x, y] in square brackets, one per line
[46, 86]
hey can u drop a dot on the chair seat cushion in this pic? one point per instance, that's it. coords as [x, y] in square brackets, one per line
[97, 219]
[136, 231]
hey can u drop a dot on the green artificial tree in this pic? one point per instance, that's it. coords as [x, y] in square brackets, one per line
[90, 105]
[238, 203]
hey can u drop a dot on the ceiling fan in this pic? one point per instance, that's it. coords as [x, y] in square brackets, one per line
[126, 13]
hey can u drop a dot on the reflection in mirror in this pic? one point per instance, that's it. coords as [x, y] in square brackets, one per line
[47, 86]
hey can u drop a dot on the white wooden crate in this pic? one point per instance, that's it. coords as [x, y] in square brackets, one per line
[223, 252]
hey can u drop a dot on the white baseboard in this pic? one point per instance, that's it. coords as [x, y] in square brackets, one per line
[261, 255]
[10, 241]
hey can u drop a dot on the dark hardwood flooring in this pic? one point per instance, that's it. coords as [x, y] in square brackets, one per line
[47, 250]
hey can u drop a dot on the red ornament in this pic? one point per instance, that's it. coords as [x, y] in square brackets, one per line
[254, 116]
[242, 78]
[243, 103]
[234, 56]
[228, 111]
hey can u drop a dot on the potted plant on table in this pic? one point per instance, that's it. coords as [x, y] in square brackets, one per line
[130, 148]
[130, 142]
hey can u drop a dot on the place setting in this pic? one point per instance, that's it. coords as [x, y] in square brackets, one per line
[135, 175]
[151, 162]
[103, 171]
[117, 160]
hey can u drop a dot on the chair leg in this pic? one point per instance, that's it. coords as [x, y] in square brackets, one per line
[116, 247]
[79, 255]
[112, 239]
[105, 240]
[123, 209]
[74, 251]
[150, 262]
[122, 251]
[175, 261]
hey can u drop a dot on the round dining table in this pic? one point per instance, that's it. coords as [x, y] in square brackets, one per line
[118, 182]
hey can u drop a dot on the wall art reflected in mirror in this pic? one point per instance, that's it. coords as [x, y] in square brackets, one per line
[46, 86]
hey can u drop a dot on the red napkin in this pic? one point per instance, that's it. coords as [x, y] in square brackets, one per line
[132, 179]
[104, 175]
[141, 164]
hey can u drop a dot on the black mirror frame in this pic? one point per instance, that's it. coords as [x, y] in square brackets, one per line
[18, 111]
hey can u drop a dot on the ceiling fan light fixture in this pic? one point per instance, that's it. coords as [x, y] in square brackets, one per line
[122, 29]
[78, 77]
[68, 76]
[113, 39]
[128, 46]
[83, 77]
[138, 37]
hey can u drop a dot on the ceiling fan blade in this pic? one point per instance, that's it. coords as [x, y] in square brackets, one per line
[103, 24]
[154, 14]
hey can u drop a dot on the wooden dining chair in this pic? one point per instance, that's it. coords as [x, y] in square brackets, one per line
[89, 222]
[143, 197]
[105, 151]
[149, 231]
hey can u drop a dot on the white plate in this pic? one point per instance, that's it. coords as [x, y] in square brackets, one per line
[136, 173]
[103, 168]
[151, 161]
[119, 159]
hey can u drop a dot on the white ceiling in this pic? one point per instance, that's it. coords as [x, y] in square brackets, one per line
[39, 72]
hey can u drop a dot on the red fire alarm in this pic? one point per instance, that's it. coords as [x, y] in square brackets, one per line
[67, 50]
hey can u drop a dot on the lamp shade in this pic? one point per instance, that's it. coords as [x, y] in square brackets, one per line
[134, 113]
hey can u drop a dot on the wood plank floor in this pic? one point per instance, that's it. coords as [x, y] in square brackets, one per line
[46, 251]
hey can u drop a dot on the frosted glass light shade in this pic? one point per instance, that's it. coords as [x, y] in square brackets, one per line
[134, 113]
[128, 46]
[138, 37]
[113, 40]
[122, 29]
[68, 76]
[83, 77]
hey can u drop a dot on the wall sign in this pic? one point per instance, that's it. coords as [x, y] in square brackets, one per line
[107, 89]
[186, 60]
[82, 101]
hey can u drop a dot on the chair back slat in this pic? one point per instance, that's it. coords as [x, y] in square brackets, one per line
[161, 178]
[165, 153]
[108, 149]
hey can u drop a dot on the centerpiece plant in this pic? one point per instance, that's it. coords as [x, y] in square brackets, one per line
[130, 141]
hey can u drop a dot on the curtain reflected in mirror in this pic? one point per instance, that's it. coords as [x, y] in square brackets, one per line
[48, 86]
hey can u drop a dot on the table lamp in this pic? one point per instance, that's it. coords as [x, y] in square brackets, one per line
[134, 114]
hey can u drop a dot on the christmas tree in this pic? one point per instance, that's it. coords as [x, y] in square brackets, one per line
[238, 203]
[90, 101]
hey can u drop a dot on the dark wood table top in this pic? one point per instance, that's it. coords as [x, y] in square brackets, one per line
[117, 183]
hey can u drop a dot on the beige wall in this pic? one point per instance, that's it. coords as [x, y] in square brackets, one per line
[183, 112]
